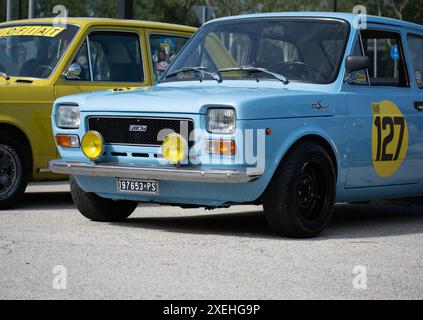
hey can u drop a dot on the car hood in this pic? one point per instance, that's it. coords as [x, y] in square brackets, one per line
[250, 102]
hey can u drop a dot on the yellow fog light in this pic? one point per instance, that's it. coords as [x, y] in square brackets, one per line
[92, 145]
[174, 148]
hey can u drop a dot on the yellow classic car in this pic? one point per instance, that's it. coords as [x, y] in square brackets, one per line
[41, 61]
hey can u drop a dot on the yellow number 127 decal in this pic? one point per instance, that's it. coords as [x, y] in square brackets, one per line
[389, 138]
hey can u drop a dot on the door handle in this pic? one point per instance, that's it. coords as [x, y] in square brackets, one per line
[419, 106]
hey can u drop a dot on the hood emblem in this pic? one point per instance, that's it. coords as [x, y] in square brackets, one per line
[137, 128]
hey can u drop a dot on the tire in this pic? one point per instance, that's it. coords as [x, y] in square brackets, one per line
[14, 170]
[300, 198]
[100, 209]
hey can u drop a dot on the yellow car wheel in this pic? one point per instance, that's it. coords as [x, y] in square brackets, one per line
[14, 170]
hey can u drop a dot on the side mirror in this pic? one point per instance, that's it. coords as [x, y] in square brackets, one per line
[357, 63]
[73, 72]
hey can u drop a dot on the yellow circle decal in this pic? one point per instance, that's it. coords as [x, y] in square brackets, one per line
[389, 138]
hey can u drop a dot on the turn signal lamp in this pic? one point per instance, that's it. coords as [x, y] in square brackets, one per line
[92, 145]
[222, 147]
[174, 148]
[67, 140]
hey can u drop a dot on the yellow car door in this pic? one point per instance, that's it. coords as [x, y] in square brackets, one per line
[107, 58]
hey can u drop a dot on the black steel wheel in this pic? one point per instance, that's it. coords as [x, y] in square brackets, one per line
[300, 199]
[96, 208]
[13, 172]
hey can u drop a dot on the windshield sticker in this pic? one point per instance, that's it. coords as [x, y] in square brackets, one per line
[36, 31]
[389, 138]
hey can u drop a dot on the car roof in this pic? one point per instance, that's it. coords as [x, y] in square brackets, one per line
[87, 22]
[350, 17]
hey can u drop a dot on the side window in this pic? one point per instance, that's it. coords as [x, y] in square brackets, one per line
[114, 57]
[164, 49]
[415, 44]
[387, 59]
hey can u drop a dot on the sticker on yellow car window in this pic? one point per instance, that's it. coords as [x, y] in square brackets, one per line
[36, 31]
[389, 138]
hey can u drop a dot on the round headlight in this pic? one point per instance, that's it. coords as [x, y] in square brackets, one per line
[174, 148]
[92, 145]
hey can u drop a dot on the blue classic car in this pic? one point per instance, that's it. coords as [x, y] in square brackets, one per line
[293, 111]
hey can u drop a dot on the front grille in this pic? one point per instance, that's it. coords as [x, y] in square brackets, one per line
[139, 131]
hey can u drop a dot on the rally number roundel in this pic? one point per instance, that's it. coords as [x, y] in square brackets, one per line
[389, 138]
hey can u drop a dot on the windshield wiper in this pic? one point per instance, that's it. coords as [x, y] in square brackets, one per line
[278, 76]
[215, 76]
[4, 75]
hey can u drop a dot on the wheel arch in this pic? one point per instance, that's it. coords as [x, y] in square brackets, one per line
[287, 148]
[317, 139]
[18, 133]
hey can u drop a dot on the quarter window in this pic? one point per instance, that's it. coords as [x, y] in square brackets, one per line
[415, 43]
[112, 57]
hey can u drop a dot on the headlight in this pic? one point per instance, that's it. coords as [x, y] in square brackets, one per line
[221, 120]
[67, 117]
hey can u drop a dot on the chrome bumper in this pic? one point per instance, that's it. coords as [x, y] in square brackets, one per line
[189, 174]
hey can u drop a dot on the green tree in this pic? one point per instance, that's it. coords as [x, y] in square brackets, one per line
[171, 11]
[180, 11]
[2, 10]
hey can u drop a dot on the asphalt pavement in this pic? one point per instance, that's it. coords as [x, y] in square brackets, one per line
[49, 251]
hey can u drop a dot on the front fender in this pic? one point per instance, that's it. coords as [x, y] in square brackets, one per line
[6, 120]
[287, 132]
[315, 134]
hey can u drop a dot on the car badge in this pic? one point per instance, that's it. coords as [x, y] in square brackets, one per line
[137, 128]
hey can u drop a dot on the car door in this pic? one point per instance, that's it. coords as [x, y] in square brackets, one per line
[108, 59]
[415, 54]
[381, 113]
[163, 47]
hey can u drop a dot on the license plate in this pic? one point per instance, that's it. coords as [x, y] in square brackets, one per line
[137, 186]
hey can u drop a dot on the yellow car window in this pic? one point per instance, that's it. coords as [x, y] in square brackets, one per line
[33, 51]
[114, 57]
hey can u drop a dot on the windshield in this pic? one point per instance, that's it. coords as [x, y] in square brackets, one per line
[301, 49]
[33, 51]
